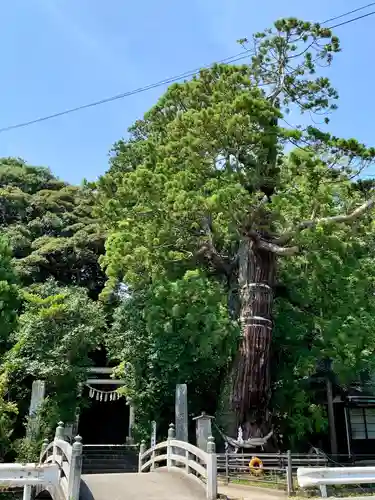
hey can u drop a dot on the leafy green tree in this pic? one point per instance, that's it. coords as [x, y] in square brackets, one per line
[172, 332]
[8, 412]
[50, 226]
[205, 181]
[324, 305]
[58, 329]
[9, 305]
[9, 296]
[53, 235]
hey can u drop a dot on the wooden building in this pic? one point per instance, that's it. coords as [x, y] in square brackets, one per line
[354, 411]
[351, 415]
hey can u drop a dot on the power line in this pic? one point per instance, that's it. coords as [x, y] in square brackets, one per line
[348, 13]
[231, 59]
[352, 20]
[235, 58]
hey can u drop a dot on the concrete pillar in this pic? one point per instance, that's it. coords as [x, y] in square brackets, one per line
[38, 390]
[153, 433]
[76, 421]
[203, 430]
[78, 410]
[129, 438]
[181, 412]
[331, 418]
[37, 396]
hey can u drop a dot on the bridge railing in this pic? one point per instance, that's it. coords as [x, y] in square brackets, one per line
[69, 460]
[28, 476]
[185, 457]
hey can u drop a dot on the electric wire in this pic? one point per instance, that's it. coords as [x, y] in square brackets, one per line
[348, 13]
[176, 78]
[352, 20]
[173, 79]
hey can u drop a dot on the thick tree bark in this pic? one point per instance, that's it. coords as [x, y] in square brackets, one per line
[250, 377]
[251, 371]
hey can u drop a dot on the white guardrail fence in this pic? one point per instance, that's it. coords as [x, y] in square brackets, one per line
[325, 476]
[28, 475]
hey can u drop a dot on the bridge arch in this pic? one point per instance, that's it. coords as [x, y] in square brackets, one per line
[190, 473]
[44, 495]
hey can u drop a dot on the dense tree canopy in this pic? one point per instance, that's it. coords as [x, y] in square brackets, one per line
[50, 227]
[240, 239]
[55, 243]
[8, 413]
[9, 305]
[206, 181]
[324, 305]
[9, 295]
[58, 329]
[172, 332]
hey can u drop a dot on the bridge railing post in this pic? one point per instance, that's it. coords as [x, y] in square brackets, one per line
[43, 449]
[211, 469]
[142, 449]
[171, 435]
[59, 434]
[75, 469]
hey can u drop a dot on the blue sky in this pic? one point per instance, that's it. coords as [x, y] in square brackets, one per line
[58, 54]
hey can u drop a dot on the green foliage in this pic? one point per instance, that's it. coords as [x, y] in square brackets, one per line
[326, 307]
[9, 295]
[8, 412]
[208, 167]
[172, 332]
[160, 208]
[50, 226]
[189, 182]
[58, 329]
[56, 242]
[27, 449]
[9, 305]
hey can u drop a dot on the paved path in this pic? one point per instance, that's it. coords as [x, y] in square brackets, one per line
[239, 492]
[158, 485]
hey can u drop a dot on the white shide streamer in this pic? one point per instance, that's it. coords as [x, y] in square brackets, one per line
[103, 395]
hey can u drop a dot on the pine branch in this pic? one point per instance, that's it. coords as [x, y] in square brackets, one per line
[335, 219]
[209, 252]
[270, 246]
[276, 249]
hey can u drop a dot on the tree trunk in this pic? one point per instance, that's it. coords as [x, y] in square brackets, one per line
[251, 371]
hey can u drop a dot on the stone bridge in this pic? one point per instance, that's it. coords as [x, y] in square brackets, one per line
[156, 485]
[169, 470]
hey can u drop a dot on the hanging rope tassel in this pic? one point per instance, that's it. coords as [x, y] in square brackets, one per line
[103, 395]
